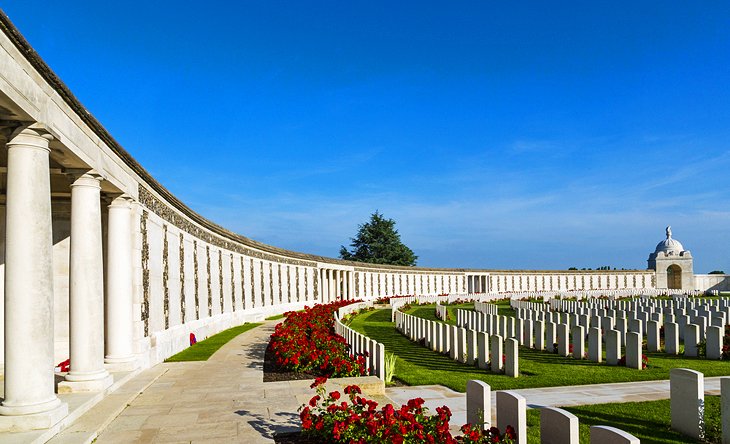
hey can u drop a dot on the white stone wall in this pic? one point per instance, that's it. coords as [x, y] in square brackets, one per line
[719, 282]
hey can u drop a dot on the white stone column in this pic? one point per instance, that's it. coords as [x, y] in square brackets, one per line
[351, 286]
[325, 287]
[29, 378]
[345, 284]
[119, 318]
[336, 284]
[86, 289]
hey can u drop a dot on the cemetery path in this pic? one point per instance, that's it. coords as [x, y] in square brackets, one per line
[223, 399]
[566, 396]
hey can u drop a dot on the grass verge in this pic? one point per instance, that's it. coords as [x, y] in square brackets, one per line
[417, 365]
[649, 421]
[204, 349]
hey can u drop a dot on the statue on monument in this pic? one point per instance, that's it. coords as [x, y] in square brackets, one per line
[669, 231]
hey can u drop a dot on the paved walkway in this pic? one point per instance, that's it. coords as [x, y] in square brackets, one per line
[222, 399]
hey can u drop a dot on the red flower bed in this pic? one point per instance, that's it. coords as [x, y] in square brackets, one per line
[306, 342]
[329, 419]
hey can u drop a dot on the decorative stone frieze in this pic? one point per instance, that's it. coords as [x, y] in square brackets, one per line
[233, 284]
[209, 281]
[220, 279]
[165, 277]
[263, 283]
[243, 283]
[145, 272]
[168, 214]
[196, 277]
[181, 259]
[253, 283]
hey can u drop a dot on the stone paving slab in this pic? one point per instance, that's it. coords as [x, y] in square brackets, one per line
[223, 399]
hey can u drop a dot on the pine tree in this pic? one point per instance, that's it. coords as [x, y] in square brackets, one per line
[378, 242]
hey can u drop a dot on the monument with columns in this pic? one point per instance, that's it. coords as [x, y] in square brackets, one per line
[105, 267]
[673, 264]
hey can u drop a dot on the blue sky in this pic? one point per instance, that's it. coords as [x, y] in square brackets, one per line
[527, 135]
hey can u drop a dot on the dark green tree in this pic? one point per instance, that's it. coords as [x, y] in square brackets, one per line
[378, 242]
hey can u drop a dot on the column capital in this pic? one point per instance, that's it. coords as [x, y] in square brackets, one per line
[84, 177]
[120, 201]
[35, 135]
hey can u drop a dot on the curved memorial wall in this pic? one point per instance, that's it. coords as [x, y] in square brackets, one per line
[162, 271]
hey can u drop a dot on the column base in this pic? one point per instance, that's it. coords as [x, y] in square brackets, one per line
[127, 364]
[94, 385]
[34, 421]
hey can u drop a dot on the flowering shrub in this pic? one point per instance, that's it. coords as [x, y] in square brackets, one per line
[644, 361]
[382, 300]
[329, 418]
[477, 436]
[726, 344]
[306, 342]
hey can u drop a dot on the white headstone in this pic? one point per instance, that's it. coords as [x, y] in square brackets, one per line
[482, 349]
[687, 402]
[611, 435]
[551, 338]
[633, 350]
[563, 340]
[613, 347]
[691, 339]
[725, 409]
[595, 346]
[471, 347]
[528, 340]
[714, 343]
[495, 353]
[511, 364]
[558, 426]
[652, 336]
[671, 338]
[478, 404]
[539, 335]
[579, 340]
[512, 411]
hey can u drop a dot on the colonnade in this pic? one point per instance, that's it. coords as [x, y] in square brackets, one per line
[336, 284]
[29, 327]
[478, 283]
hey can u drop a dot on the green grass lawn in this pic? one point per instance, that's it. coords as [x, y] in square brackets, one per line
[275, 317]
[417, 365]
[649, 421]
[204, 349]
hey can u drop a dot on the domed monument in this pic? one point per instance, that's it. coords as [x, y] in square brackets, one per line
[672, 263]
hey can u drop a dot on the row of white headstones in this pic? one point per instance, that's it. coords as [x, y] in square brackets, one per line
[482, 334]
[628, 322]
[687, 401]
[468, 346]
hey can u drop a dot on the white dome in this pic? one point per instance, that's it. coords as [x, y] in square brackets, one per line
[669, 245]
